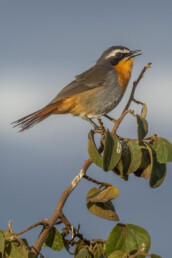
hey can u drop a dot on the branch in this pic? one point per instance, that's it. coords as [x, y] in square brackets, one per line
[117, 122]
[131, 98]
[75, 232]
[95, 181]
[135, 83]
[42, 223]
[102, 130]
[58, 211]
[14, 235]
[137, 101]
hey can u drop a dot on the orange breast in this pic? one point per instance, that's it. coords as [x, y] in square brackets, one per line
[124, 69]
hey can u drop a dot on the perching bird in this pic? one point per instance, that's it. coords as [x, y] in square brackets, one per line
[93, 93]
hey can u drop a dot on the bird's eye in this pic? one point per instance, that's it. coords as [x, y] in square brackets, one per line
[119, 55]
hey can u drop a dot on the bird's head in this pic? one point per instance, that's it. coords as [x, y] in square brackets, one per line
[114, 55]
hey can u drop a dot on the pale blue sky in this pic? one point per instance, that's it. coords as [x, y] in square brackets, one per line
[43, 45]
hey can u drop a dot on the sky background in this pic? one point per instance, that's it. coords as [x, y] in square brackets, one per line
[43, 45]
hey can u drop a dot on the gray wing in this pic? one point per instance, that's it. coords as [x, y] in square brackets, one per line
[90, 79]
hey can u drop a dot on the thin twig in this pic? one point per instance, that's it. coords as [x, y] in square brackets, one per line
[58, 222]
[14, 235]
[137, 101]
[10, 227]
[80, 236]
[102, 130]
[95, 181]
[110, 118]
[117, 122]
[135, 83]
[42, 222]
[75, 231]
[66, 222]
[131, 98]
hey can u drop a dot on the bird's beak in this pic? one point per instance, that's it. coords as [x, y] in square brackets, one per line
[134, 53]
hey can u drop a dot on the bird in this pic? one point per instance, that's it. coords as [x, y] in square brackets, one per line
[93, 93]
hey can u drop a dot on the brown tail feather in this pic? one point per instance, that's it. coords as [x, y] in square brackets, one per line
[36, 117]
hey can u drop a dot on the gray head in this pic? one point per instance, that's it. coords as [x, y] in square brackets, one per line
[117, 53]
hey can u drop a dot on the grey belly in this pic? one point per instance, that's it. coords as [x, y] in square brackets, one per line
[103, 101]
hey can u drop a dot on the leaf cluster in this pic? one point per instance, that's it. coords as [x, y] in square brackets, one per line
[12, 246]
[145, 157]
[124, 241]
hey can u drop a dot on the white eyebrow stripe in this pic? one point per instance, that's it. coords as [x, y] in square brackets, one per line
[113, 53]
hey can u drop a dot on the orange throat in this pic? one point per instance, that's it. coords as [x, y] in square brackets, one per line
[124, 69]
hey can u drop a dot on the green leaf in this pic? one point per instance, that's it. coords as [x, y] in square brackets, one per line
[155, 256]
[163, 150]
[2, 241]
[142, 127]
[15, 250]
[112, 151]
[144, 110]
[158, 170]
[158, 174]
[124, 163]
[145, 168]
[66, 245]
[54, 240]
[84, 253]
[117, 172]
[24, 241]
[78, 246]
[93, 152]
[118, 254]
[136, 156]
[44, 245]
[108, 193]
[33, 255]
[103, 210]
[127, 238]
[98, 251]
[6, 234]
